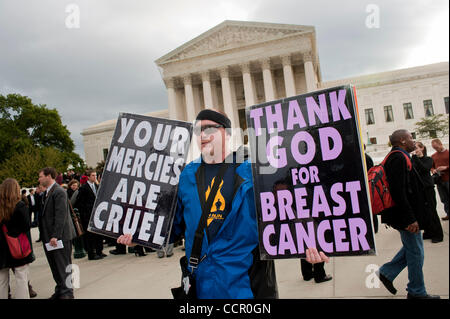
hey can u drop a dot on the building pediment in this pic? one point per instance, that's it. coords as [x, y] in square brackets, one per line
[232, 34]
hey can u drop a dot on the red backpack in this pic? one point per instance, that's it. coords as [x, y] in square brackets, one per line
[380, 197]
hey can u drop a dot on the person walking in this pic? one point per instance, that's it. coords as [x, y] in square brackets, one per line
[15, 216]
[56, 226]
[406, 216]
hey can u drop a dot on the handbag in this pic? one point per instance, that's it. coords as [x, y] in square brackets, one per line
[76, 220]
[187, 290]
[19, 246]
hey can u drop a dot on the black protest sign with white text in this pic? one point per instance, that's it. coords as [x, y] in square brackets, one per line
[138, 189]
[309, 176]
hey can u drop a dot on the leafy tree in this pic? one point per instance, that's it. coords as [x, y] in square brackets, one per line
[25, 166]
[433, 126]
[32, 137]
[23, 124]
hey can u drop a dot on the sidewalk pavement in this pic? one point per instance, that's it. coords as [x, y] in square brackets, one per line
[148, 277]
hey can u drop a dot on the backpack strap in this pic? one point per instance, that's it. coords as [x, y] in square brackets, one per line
[408, 160]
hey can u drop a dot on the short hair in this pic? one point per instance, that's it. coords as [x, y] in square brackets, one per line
[397, 136]
[437, 141]
[90, 171]
[49, 171]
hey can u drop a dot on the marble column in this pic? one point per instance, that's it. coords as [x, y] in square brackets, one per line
[229, 105]
[207, 91]
[310, 74]
[189, 96]
[289, 81]
[170, 84]
[249, 85]
[269, 87]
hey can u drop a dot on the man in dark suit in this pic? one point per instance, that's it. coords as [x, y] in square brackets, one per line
[56, 224]
[85, 203]
[407, 216]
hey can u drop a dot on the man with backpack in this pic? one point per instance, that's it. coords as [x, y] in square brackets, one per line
[406, 216]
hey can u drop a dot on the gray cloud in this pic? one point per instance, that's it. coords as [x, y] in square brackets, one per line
[106, 66]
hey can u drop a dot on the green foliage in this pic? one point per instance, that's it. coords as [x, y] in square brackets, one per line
[33, 137]
[23, 124]
[433, 126]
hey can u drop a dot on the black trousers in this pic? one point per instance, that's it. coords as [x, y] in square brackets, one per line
[316, 271]
[433, 228]
[93, 243]
[60, 262]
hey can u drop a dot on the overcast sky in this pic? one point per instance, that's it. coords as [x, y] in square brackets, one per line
[106, 66]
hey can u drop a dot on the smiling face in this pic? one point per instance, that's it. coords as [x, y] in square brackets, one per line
[211, 139]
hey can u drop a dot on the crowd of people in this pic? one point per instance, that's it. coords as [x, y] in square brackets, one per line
[246, 276]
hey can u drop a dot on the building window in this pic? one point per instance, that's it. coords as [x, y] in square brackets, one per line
[373, 140]
[370, 119]
[446, 104]
[388, 114]
[407, 108]
[428, 107]
[105, 153]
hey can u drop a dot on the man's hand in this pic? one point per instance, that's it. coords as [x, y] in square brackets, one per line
[53, 242]
[413, 228]
[314, 257]
[441, 168]
[126, 239]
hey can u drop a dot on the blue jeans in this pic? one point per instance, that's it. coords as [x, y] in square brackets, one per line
[411, 255]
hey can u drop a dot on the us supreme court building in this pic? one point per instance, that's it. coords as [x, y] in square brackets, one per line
[238, 64]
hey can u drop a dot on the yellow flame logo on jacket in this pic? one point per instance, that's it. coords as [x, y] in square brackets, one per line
[218, 203]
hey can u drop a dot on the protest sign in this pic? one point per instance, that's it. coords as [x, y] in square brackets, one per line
[309, 175]
[138, 189]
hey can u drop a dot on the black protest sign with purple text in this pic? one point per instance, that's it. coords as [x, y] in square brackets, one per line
[309, 176]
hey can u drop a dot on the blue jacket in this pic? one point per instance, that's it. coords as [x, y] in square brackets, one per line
[231, 268]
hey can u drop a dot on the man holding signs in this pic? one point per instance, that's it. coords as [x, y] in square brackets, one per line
[228, 265]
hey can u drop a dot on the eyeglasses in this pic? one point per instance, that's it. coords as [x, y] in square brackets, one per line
[207, 129]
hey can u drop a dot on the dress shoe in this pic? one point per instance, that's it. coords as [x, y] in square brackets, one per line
[307, 278]
[409, 296]
[117, 252]
[436, 240]
[66, 297]
[386, 282]
[445, 218]
[96, 257]
[323, 279]
[38, 240]
[102, 255]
